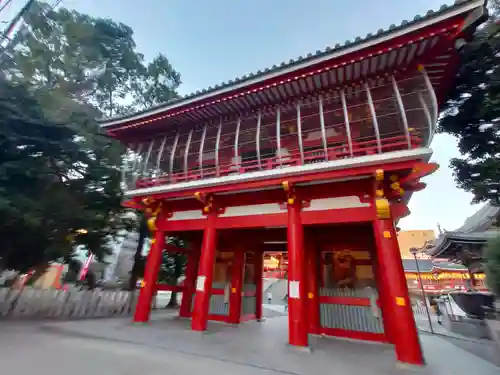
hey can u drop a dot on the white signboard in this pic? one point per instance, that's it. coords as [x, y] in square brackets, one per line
[294, 289]
[227, 290]
[200, 283]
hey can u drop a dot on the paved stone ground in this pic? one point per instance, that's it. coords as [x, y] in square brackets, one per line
[483, 348]
[274, 310]
[166, 345]
[27, 350]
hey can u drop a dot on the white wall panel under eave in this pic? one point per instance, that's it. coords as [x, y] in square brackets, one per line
[187, 215]
[256, 209]
[335, 203]
[315, 205]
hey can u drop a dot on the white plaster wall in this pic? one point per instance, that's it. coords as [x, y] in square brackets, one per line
[256, 209]
[187, 215]
[335, 203]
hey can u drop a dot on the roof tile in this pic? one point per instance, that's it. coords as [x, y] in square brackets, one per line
[329, 49]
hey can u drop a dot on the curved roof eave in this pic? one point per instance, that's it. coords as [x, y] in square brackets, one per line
[475, 229]
[429, 266]
[481, 220]
[432, 17]
[444, 241]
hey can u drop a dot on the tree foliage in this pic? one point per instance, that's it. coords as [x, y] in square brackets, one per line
[472, 112]
[52, 186]
[492, 265]
[173, 264]
[93, 60]
[156, 83]
[172, 267]
[58, 174]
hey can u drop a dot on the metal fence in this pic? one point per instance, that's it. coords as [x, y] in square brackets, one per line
[31, 303]
[425, 316]
[449, 320]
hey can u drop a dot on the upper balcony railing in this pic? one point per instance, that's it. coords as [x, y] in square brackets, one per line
[380, 117]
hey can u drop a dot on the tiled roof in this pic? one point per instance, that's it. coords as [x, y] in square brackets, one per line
[330, 49]
[476, 229]
[425, 265]
[481, 220]
[310, 56]
[428, 265]
[449, 266]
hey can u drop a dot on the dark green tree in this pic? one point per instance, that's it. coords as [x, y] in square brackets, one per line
[157, 83]
[173, 267]
[94, 60]
[472, 112]
[492, 265]
[55, 193]
[137, 270]
[79, 68]
[54, 50]
[120, 66]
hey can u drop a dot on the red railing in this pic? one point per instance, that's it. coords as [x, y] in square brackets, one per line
[293, 158]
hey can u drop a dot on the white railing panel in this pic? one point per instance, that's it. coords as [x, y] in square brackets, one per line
[31, 303]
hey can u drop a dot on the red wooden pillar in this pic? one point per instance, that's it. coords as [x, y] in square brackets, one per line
[259, 285]
[205, 274]
[143, 308]
[397, 301]
[312, 269]
[189, 283]
[383, 302]
[297, 322]
[235, 300]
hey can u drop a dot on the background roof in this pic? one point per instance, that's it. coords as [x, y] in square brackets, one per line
[428, 265]
[481, 221]
[477, 229]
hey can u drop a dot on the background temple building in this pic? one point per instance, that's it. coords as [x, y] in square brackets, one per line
[465, 244]
[408, 239]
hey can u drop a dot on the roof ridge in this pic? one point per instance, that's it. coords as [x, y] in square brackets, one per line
[329, 49]
[483, 216]
[301, 59]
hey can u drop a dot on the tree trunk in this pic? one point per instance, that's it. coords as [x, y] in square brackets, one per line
[136, 268]
[173, 301]
[178, 272]
[110, 103]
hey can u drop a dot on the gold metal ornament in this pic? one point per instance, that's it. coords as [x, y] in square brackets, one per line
[152, 224]
[383, 208]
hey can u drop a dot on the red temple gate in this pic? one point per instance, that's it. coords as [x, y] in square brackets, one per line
[321, 155]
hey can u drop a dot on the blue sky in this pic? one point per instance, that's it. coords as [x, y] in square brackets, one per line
[210, 41]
